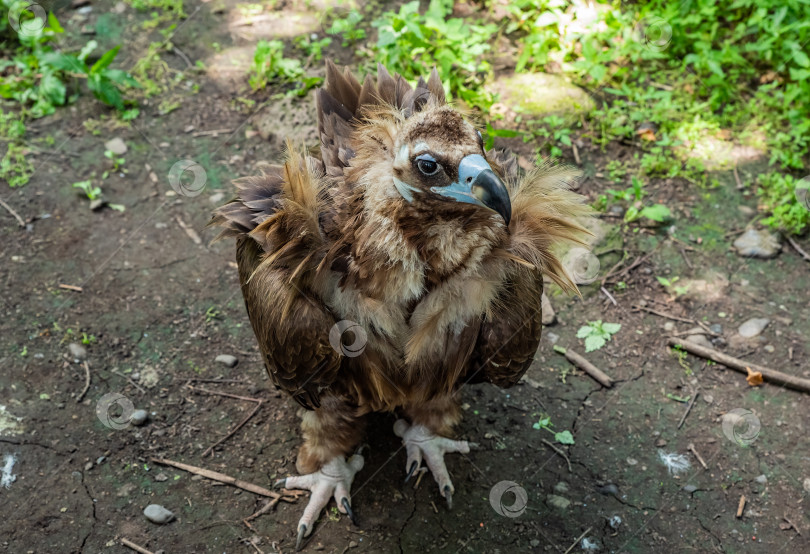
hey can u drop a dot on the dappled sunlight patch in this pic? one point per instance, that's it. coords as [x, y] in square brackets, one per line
[9, 423]
[252, 25]
[229, 68]
[711, 288]
[540, 94]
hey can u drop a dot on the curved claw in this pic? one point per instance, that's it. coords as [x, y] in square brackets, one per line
[302, 531]
[280, 483]
[346, 506]
[414, 466]
[448, 495]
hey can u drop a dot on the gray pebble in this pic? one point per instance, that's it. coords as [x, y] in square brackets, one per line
[117, 146]
[138, 417]
[158, 514]
[561, 487]
[558, 502]
[160, 477]
[762, 479]
[100, 460]
[690, 488]
[610, 488]
[77, 351]
[227, 359]
[753, 327]
[716, 328]
[700, 340]
[757, 244]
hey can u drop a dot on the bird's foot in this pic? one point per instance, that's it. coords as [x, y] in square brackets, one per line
[334, 479]
[421, 443]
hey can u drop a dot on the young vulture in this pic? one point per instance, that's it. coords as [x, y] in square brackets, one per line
[398, 263]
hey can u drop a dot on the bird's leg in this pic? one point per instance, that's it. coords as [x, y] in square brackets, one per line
[330, 433]
[423, 441]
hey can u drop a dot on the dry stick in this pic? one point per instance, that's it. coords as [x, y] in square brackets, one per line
[741, 506]
[664, 314]
[770, 375]
[585, 366]
[610, 296]
[258, 402]
[737, 178]
[698, 456]
[579, 538]
[74, 288]
[135, 547]
[576, 154]
[795, 528]
[798, 248]
[228, 480]
[560, 452]
[688, 409]
[86, 382]
[12, 212]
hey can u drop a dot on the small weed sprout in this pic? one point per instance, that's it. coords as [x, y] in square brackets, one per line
[596, 334]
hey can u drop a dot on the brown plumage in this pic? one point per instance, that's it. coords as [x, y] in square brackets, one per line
[443, 291]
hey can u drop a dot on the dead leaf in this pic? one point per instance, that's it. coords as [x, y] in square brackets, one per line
[754, 377]
[647, 134]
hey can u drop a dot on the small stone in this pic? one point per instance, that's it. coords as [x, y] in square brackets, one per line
[100, 460]
[690, 488]
[158, 514]
[352, 544]
[97, 204]
[753, 327]
[77, 351]
[590, 545]
[561, 487]
[708, 398]
[610, 488]
[762, 479]
[757, 244]
[769, 348]
[558, 502]
[88, 466]
[615, 522]
[552, 337]
[700, 340]
[669, 326]
[746, 210]
[227, 360]
[138, 417]
[216, 198]
[117, 146]
[547, 311]
[160, 477]
[716, 328]
[660, 443]
[806, 484]
[631, 461]
[534, 543]
[616, 210]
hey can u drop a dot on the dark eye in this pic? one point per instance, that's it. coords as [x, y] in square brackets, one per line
[427, 167]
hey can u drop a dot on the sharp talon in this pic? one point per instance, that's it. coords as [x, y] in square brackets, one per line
[348, 508]
[410, 471]
[280, 484]
[448, 495]
[302, 529]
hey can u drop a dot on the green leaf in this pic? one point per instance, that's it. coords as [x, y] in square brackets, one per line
[585, 331]
[564, 437]
[659, 212]
[611, 328]
[105, 90]
[801, 58]
[64, 62]
[52, 88]
[87, 49]
[53, 24]
[594, 342]
[105, 60]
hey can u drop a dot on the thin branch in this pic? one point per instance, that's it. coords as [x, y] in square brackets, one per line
[798, 248]
[579, 538]
[560, 452]
[688, 409]
[585, 366]
[10, 210]
[128, 543]
[86, 382]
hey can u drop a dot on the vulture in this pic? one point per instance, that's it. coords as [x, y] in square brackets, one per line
[390, 265]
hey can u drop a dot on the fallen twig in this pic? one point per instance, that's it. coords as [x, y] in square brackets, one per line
[579, 538]
[741, 506]
[737, 178]
[258, 402]
[698, 456]
[212, 132]
[285, 494]
[770, 375]
[798, 248]
[585, 366]
[74, 288]
[610, 296]
[560, 452]
[86, 382]
[688, 409]
[128, 543]
[795, 527]
[664, 314]
[192, 234]
[10, 210]
[576, 154]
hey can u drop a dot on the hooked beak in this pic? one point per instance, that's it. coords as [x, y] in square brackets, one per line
[478, 184]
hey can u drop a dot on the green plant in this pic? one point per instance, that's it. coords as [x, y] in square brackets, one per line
[562, 437]
[657, 212]
[92, 193]
[117, 163]
[411, 43]
[270, 66]
[596, 334]
[349, 28]
[671, 287]
[788, 201]
[15, 167]
[312, 47]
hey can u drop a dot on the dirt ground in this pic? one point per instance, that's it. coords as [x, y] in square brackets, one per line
[158, 304]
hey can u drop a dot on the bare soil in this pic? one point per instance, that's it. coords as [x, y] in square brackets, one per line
[162, 306]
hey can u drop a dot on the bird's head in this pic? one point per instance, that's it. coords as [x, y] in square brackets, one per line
[439, 158]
